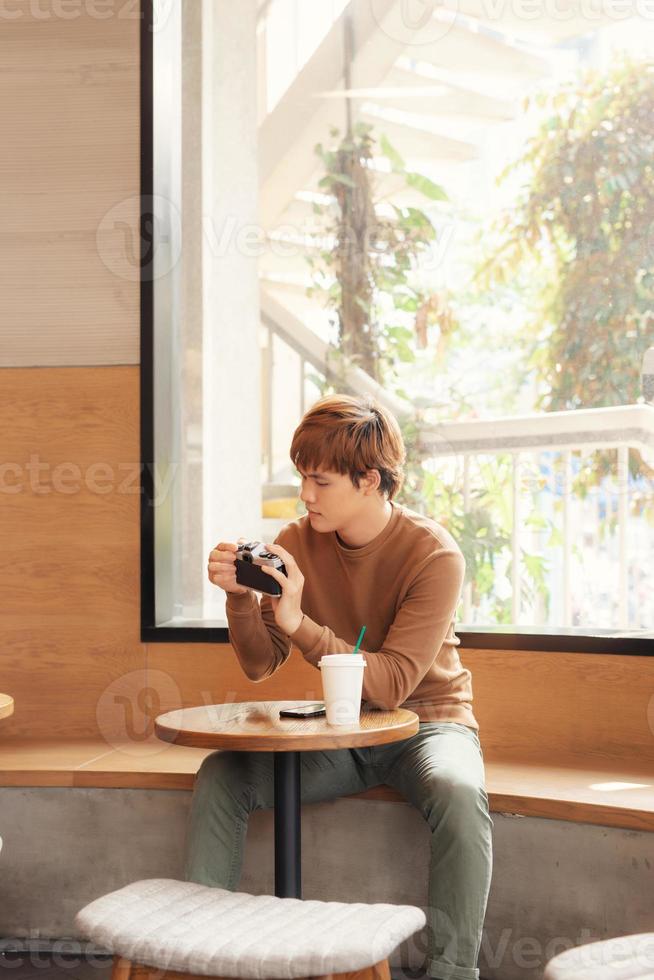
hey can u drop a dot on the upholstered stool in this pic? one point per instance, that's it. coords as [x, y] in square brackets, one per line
[624, 958]
[166, 929]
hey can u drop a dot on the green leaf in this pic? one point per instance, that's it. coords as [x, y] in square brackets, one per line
[536, 520]
[415, 218]
[408, 304]
[427, 187]
[342, 179]
[536, 566]
[400, 333]
[336, 178]
[555, 539]
[405, 353]
[396, 161]
[485, 578]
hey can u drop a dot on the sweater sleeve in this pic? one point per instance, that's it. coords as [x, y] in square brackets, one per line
[413, 641]
[259, 644]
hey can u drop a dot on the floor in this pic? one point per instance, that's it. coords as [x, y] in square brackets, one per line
[58, 966]
[20, 966]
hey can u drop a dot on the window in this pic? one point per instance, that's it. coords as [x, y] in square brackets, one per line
[452, 212]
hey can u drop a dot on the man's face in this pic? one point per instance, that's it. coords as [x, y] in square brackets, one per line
[331, 499]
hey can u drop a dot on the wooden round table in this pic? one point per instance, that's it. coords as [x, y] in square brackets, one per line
[6, 705]
[255, 726]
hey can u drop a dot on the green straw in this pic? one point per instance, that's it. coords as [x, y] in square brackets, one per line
[356, 649]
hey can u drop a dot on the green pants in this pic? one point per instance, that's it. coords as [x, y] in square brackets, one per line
[440, 770]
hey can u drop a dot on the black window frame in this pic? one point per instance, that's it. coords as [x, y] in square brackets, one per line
[572, 640]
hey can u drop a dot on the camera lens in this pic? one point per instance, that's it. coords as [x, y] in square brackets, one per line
[247, 557]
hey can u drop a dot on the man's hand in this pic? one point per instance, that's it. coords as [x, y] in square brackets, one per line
[222, 567]
[287, 608]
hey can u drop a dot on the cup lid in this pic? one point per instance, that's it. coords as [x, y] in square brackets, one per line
[342, 660]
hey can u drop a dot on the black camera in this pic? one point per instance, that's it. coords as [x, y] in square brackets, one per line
[249, 559]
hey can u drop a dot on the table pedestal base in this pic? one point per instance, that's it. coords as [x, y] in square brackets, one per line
[288, 875]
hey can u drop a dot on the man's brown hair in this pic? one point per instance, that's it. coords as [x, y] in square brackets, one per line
[351, 435]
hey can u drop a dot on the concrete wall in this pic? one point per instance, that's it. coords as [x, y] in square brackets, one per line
[555, 884]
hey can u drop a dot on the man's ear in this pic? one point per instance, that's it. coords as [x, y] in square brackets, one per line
[371, 481]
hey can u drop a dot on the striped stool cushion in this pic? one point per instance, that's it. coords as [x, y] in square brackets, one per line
[191, 928]
[623, 958]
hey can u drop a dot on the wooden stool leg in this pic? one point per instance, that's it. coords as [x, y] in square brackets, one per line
[120, 968]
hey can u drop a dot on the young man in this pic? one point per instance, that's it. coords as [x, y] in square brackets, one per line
[358, 557]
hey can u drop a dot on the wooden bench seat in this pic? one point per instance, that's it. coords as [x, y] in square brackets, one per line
[573, 789]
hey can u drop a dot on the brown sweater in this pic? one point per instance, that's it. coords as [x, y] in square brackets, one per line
[404, 585]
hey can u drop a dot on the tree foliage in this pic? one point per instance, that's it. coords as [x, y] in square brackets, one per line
[366, 270]
[368, 278]
[582, 230]
[580, 239]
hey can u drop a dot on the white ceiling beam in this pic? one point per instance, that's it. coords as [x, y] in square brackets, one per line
[464, 50]
[302, 119]
[457, 100]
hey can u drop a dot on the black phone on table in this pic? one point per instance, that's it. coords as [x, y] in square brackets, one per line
[303, 711]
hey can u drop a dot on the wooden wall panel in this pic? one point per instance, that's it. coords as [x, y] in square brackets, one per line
[69, 545]
[540, 705]
[69, 183]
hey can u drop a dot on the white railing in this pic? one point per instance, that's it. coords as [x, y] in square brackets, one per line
[620, 428]
[585, 431]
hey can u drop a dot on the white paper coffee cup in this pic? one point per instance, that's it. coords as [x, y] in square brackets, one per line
[342, 685]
